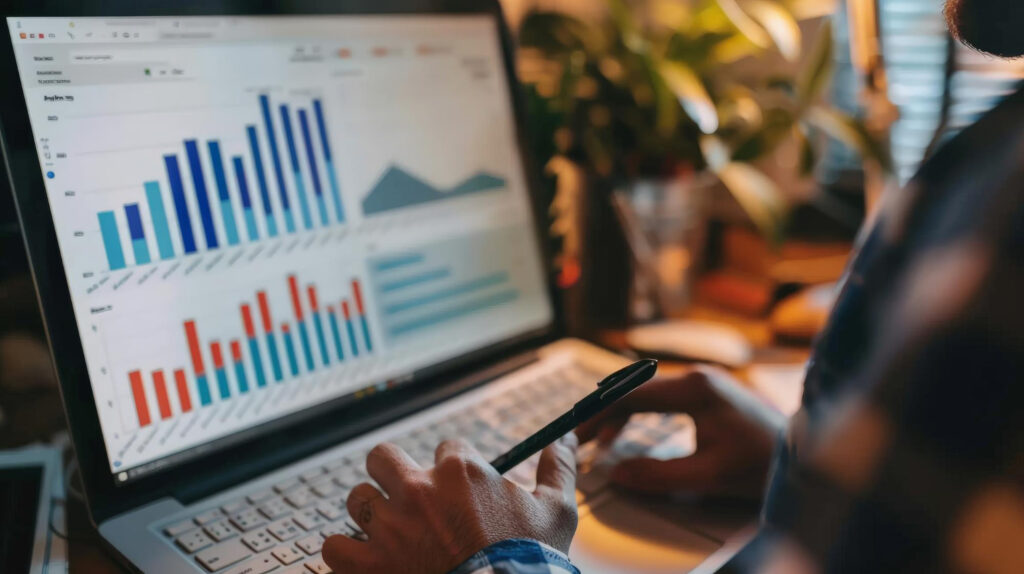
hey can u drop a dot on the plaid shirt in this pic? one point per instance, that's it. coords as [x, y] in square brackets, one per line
[908, 453]
[518, 557]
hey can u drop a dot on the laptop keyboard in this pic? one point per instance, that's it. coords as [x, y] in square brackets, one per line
[282, 528]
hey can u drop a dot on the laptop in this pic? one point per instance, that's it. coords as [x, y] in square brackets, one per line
[269, 236]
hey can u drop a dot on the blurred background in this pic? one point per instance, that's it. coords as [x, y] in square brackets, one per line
[706, 167]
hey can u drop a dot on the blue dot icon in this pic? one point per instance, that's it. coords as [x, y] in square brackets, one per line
[49, 174]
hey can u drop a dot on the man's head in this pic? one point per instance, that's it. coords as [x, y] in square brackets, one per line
[993, 26]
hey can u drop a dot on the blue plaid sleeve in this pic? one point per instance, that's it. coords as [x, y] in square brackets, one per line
[517, 556]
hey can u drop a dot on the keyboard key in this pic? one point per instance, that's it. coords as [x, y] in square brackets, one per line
[325, 489]
[259, 541]
[275, 508]
[310, 544]
[334, 465]
[336, 528]
[300, 498]
[193, 541]
[311, 474]
[234, 506]
[286, 485]
[318, 566]
[209, 516]
[260, 496]
[259, 565]
[309, 519]
[284, 529]
[248, 519]
[329, 511]
[223, 555]
[220, 530]
[287, 555]
[179, 528]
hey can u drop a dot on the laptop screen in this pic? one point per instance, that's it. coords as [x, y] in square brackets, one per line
[261, 215]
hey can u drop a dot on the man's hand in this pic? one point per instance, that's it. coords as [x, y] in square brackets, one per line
[736, 435]
[431, 520]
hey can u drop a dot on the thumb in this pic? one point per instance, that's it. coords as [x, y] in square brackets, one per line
[557, 467]
[696, 473]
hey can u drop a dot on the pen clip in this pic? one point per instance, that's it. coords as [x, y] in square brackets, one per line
[624, 374]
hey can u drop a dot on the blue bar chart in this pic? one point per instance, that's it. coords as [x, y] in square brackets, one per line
[223, 198]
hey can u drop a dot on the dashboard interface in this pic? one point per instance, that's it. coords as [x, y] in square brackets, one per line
[258, 215]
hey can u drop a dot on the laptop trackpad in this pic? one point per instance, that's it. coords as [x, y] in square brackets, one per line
[616, 537]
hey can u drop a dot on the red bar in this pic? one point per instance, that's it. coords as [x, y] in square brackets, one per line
[183, 396]
[285, 328]
[268, 324]
[162, 402]
[312, 299]
[141, 408]
[345, 311]
[193, 348]
[218, 358]
[236, 351]
[293, 285]
[250, 330]
[357, 293]
[330, 309]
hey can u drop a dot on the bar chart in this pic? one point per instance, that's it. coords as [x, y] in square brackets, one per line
[217, 199]
[271, 347]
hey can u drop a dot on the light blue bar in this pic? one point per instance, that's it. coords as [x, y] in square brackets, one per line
[159, 216]
[220, 178]
[318, 323]
[366, 333]
[397, 262]
[229, 222]
[141, 251]
[337, 337]
[243, 381]
[332, 178]
[454, 313]
[204, 390]
[275, 358]
[352, 337]
[250, 225]
[307, 350]
[111, 240]
[257, 363]
[425, 277]
[464, 288]
[289, 346]
[307, 217]
[322, 206]
[222, 383]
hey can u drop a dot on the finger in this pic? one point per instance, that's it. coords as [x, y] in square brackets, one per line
[696, 473]
[391, 467]
[557, 467]
[365, 504]
[456, 448]
[344, 554]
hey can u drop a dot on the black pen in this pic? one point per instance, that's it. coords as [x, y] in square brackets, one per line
[612, 388]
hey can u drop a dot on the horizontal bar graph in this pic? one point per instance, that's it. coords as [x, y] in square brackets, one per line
[221, 188]
[265, 349]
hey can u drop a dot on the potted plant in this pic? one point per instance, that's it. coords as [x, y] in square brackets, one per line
[670, 93]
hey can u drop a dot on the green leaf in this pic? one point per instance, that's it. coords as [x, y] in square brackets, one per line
[851, 132]
[815, 76]
[691, 93]
[758, 195]
[779, 24]
[744, 23]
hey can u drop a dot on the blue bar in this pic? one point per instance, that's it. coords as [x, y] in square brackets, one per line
[188, 240]
[222, 383]
[352, 337]
[454, 313]
[318, 323]
[332, 177]
[159, 216]
[412, 280]
[337, 336]
[204, 390]
[307, 350]
[257, 363]
[226, 211]
[397, 261]
[366, 333]
[202, 199]
[261, 179]
[268, 123]
[289, 346]
[293, 155]
[275, 359]
[243, 189]
[314, 172]
[111, 240]
[243, 381]
[137, 234]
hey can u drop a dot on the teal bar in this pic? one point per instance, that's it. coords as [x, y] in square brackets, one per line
[318, 323]
[306, 348]
[454, 313]
[222, 383]
[159, 216]
[289, 345]
[352, 336]
[257, 363]
[275, 358]
[366, 334]
[111, 240]
[337, 335]
[436, 297]
[243, 381]
[204, 390]
[141, 251]
[250, 225]
[229, 221]
[413, 280]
